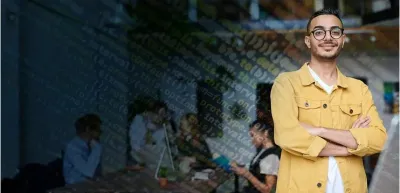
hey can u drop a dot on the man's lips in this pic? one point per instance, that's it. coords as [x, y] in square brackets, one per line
[327, 45]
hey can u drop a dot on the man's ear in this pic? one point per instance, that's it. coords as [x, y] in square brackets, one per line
[307, 41]
[344, 40]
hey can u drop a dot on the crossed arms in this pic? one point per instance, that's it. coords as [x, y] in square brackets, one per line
[340, 140]
[366, 137]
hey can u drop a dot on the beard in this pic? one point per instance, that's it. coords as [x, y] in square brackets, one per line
[327, 50]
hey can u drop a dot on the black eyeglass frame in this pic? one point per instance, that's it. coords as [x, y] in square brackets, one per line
[330, 32]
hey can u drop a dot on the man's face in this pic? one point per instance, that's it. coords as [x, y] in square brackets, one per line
[327, 47]
[95, 132]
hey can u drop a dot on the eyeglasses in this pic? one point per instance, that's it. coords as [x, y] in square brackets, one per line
[319, 34]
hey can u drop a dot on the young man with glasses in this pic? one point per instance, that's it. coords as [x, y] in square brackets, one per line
[324, 121]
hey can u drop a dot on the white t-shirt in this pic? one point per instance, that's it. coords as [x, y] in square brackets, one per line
[150, 153]
[335, 182]
[268, 165]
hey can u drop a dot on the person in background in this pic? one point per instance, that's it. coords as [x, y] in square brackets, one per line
[263, 170]
[147, 134]
[325, 122]
[192, 147]
[82, 155]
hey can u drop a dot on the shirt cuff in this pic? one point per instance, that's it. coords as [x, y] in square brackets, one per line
[361, 139]
[315, 148]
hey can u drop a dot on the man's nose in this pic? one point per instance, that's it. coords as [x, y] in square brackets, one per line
[328, 35]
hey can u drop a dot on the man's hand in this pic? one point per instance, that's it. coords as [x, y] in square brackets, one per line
[362, 122]
[315, 131]
[93, 143]
[95, 134]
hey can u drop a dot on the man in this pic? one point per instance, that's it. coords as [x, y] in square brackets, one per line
[82, 156]
[324, 121]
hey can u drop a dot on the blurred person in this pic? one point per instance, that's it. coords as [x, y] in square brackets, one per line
[147, 134]
[82, 155]
[324, 122]
[263, 170]
[192, 147]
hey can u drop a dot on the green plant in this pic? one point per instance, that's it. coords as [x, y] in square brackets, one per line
[163, 172]
[238, 111]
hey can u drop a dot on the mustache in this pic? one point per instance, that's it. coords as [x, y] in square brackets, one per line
[328, 44]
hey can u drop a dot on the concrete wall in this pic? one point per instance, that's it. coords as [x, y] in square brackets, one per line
[10, 93]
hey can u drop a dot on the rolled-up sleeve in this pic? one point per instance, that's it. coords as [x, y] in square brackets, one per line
[370, 140]
[289, 134]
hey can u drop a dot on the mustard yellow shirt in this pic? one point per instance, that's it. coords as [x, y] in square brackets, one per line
[295, 98]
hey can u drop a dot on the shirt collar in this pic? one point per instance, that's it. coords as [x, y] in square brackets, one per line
[307, 79]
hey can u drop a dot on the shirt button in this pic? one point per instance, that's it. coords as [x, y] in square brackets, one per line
[325, 105]
[306, 104]
[351, 111]
[319, 185]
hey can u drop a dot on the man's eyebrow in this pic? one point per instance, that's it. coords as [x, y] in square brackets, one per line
[318, 26]
[322, 27]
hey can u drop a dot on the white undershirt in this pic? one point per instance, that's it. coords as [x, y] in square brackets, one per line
[268, 165]
[335, 182]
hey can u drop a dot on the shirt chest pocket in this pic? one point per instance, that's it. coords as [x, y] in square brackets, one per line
[348, 114]
[309, 111]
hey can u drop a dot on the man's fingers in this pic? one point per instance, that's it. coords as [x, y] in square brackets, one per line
[362, 122]
[356, 123]
[365, 119]
[365, 124]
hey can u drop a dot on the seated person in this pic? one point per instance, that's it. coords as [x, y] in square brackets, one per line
[263, 171]
[147, 135]
[191, 145]
[82, 155]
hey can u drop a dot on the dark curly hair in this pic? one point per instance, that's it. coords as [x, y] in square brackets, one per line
[325, 11]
